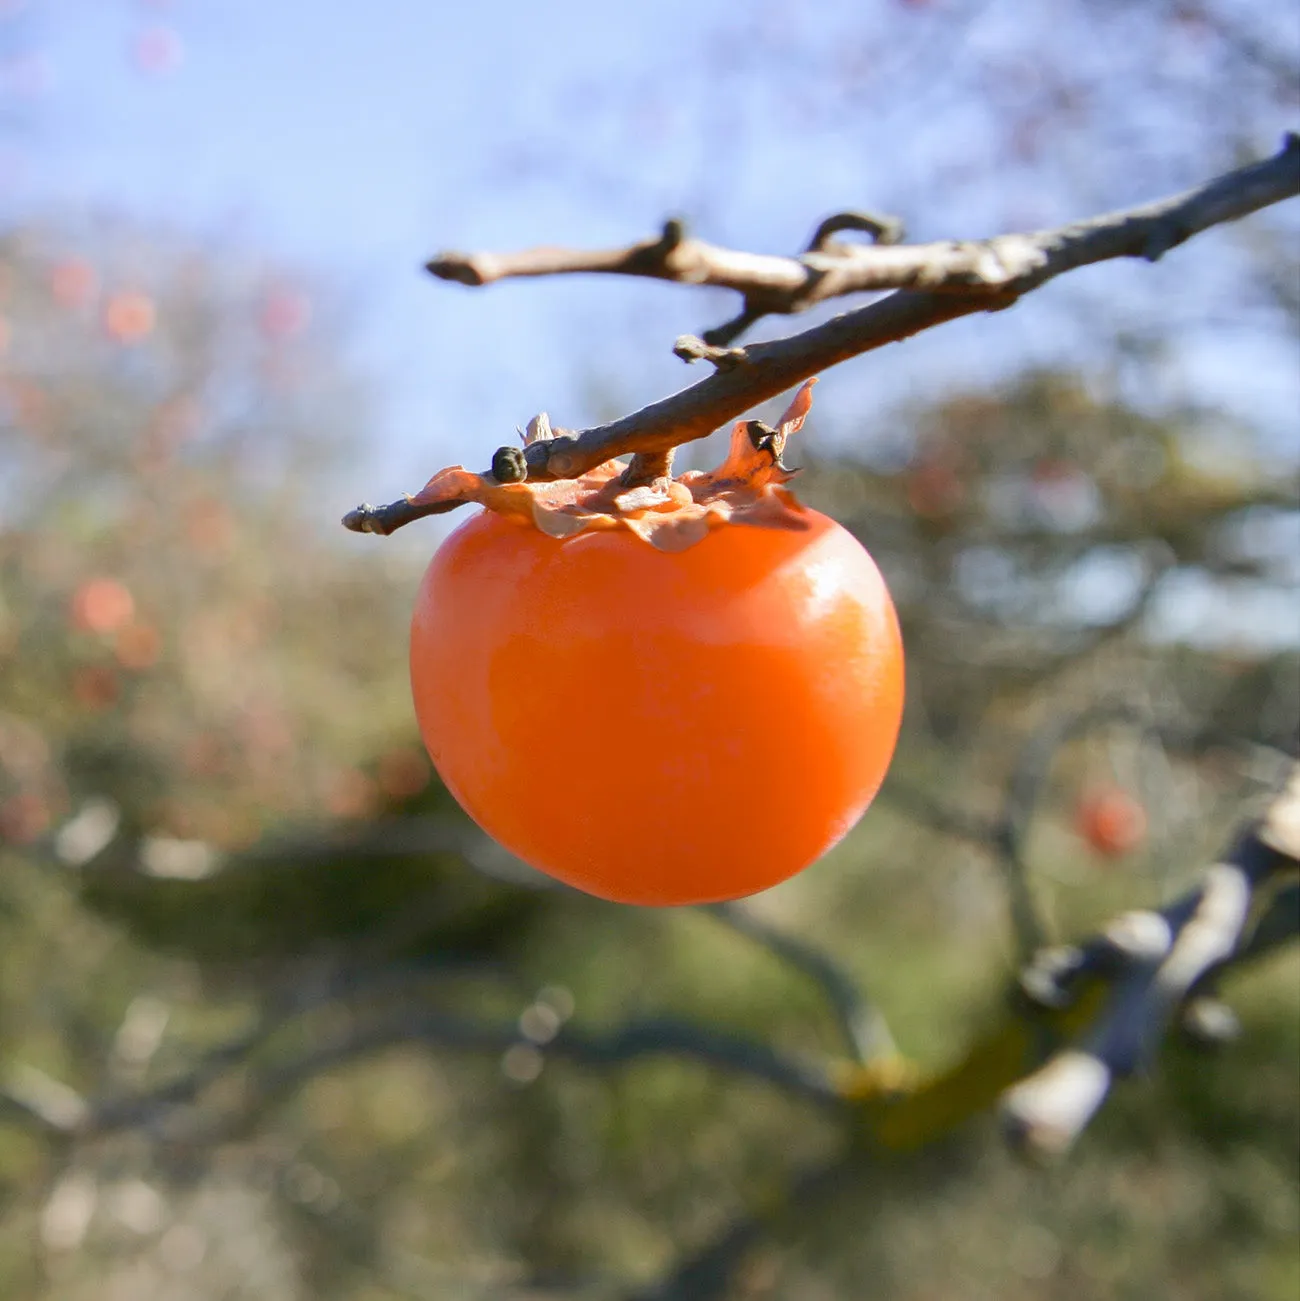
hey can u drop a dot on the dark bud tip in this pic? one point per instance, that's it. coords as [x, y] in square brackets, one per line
[674, 231]
[454, 266]
[509, 465]
[369, 519]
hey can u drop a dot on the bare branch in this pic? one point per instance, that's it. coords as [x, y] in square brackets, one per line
[832, 269]
[41, 1101]
[993, 274]
[884, 230]
[768, 283]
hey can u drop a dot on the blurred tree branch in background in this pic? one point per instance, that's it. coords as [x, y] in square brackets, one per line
[1099, 1007]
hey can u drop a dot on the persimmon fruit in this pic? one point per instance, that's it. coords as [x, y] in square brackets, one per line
[101, 605]
[676, 722]
[1111, 820]
[130, 317]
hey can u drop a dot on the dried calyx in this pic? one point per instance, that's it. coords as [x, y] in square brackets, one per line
[669, 513]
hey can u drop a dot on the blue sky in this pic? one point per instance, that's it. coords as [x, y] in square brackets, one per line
[356, 140]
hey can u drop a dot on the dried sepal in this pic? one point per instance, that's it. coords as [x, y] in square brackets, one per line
[670, 514]
[538, 431]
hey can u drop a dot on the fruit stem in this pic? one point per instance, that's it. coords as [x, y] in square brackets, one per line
[647, 468]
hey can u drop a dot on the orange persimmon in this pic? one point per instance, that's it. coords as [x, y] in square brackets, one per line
[1111, 820]
[670, 717]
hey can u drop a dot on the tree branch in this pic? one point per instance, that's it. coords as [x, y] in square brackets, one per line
[992, 274]
[1155, 960]
[832, 269]
[862, 1025]
[768, 284]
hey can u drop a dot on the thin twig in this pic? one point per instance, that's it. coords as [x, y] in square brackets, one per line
[865, 1031]
[832, 269]
[764, 370]
[41, 1102]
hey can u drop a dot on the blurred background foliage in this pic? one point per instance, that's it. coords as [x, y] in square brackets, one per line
[224, 859]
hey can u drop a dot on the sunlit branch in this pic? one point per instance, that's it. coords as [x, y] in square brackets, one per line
[1017, 264]
[828, 269]
[38, 1101]
[1154, 960]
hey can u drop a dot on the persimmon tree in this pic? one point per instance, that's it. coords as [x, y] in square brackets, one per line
[394, 925]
